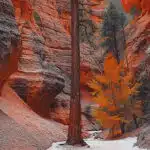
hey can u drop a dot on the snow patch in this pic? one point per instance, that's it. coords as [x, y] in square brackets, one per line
[123, 144]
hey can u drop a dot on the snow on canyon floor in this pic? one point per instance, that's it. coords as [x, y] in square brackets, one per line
[123, 144]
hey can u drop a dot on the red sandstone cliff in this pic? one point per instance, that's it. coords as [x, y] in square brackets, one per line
[138, 55]
[20, 127]
[9, 41]
[44, 67]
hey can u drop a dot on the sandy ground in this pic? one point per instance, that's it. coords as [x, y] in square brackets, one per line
[22, 129]
[14, 136]
[93, 144]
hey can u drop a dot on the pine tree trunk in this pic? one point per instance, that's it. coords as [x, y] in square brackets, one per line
[122, 127]
[74, 132]
[124, 39]
[135, 121]
[116, 51]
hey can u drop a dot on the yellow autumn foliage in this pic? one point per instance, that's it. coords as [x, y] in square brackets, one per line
[111, 91]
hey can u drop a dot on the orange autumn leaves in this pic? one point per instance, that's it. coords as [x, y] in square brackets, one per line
[111, 92]
[128, 4]
[139, 4]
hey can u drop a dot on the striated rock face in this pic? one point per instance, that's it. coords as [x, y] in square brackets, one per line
[138, 41]
[38, 79]
[89, 56]
[43, 77]
[57, 40]
[143, 140]
[96, 8]
[138, 45]
[9, 41]
[138, 54]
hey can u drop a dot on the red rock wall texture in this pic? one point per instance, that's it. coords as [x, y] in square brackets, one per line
[9, 41]
[138, 41]
[39, 78]
[45, 63]
[142, 5]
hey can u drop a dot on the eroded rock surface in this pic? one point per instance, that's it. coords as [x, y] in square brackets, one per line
[143, 140]
[138, 44]
[9, 41]
[39, 79]
[45, 64]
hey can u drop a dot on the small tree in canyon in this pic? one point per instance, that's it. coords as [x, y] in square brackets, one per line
[111, 91]
[74, 132]
[112, 24]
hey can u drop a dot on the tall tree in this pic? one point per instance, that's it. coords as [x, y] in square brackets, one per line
[111, 26]
[74, 132]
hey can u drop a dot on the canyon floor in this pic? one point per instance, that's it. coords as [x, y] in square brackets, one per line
[22, 129]
[123, 144]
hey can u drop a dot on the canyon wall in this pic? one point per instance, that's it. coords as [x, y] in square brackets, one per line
[40, 40]
[39, 78]
[138, 55]
[9, 41]
[43, 76]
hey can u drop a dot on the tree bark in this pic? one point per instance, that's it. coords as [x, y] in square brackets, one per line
[125, 42]
[135, 121]
[116, 51]
[122, 127]
[74, 132]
